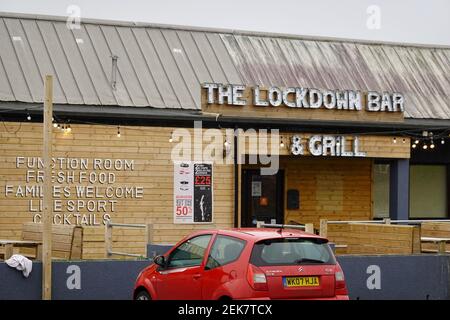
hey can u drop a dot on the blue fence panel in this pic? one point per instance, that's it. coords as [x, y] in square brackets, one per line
[397, 277]
[368, 277]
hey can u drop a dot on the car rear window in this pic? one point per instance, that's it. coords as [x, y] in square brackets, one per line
[291, 251]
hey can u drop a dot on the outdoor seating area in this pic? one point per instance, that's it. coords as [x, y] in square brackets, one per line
[67, 242]
[385, 237]
[388, 236]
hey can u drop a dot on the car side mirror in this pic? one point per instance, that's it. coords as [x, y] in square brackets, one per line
[160, 261]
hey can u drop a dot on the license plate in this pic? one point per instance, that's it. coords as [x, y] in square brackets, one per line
[301, 281]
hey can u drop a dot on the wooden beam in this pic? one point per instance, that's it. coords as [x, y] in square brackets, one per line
[47, 214]
[9, 250]
[323, 228]
[309, 227]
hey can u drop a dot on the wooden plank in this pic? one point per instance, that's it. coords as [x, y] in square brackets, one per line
[47, 210]
[9, 247]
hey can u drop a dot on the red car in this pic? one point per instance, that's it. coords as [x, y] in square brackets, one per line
[244, 263]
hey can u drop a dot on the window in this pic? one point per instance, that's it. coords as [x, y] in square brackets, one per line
[291, 251]
[189, 253]
[381, 190]
[224, 250]
[428, 191]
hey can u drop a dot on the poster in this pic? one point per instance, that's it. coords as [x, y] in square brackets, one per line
[256, 188]
[193, 199]
[183, 185]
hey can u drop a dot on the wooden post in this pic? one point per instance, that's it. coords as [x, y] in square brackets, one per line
[39, 252]
[9, 250]
[441, 247]
[323, 228]
[309, 227]
[47, 213]
[108, 239]
[149, 232]
[149, 235]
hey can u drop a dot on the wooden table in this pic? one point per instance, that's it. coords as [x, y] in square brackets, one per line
[10, 244]
[439, 241]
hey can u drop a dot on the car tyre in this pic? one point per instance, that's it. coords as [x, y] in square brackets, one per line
[142, 295]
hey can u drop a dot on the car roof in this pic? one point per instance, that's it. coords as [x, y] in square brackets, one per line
[257, 234]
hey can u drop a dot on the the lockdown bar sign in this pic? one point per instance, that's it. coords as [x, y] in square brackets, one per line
[304, 98]
[193, 192]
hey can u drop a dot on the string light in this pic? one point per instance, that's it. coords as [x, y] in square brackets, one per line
[404, 140]
[394, 140]
[68, 129]
[55, 125]
[442, 141]
[417, 141]
[414, 146]
[425, 146]
[28, 117]
[118, 131]
[432, 144]
[226, 143]
[281, 143]
[171, 137]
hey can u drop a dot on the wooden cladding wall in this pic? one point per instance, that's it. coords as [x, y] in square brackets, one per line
[375, 238]
[335, 189]
[150, 149]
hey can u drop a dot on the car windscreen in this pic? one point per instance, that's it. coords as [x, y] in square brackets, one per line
[291, 251]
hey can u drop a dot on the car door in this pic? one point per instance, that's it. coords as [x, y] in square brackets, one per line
[182, 276]
[222, 269]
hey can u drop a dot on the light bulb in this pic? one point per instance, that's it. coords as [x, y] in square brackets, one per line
[171, 137]
[417, 141]
[432, 145]
[69, 129]
[118, 132]
[404, 140]
[28, 117]
[394, 140]
[414, 146]
[442, 141]
[55, 125]
[425, 147]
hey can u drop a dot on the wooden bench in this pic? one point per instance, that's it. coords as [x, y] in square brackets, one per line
[435, 234]
[9, 245]
[372, 239]
[441, 242]
[67, 240]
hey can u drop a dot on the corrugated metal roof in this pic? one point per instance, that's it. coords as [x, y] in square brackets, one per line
[163, 66]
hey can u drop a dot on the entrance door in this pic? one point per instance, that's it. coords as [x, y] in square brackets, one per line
[262, 197]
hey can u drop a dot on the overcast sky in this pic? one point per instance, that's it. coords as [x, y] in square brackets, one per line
[407, 21]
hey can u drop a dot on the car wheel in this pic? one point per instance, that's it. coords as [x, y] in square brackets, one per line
[142, 295]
